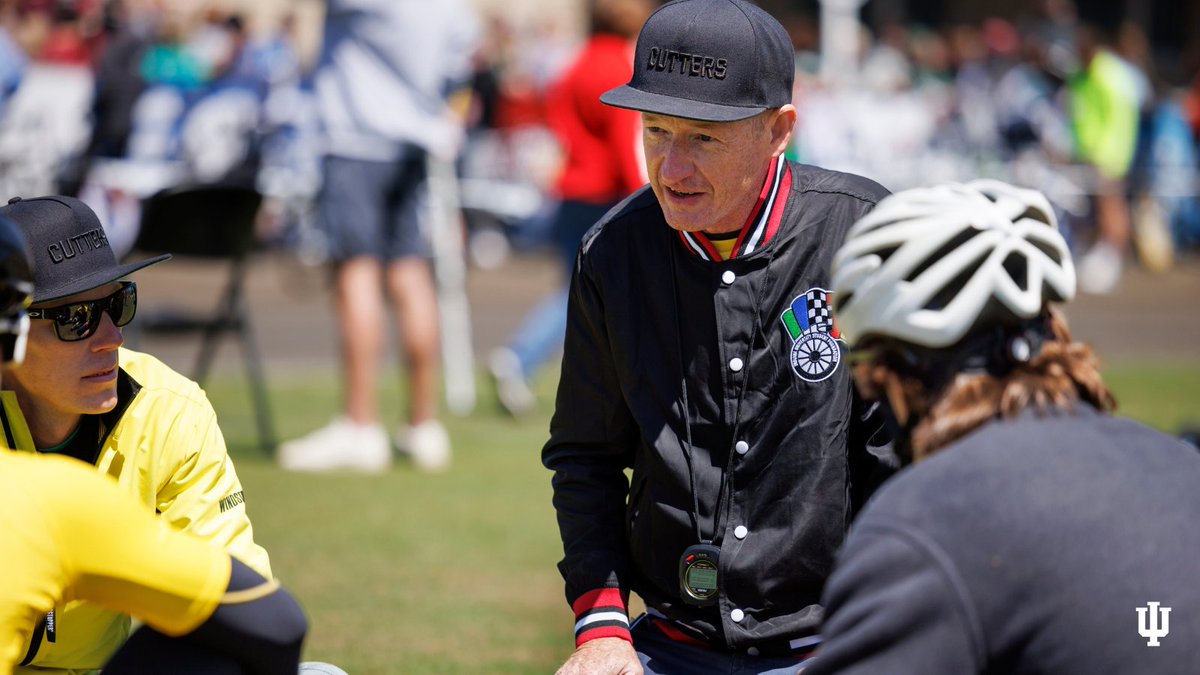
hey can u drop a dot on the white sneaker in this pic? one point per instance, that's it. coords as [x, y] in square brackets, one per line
[511, 387]
[1100, 269]
[427, 444]
[341, 444]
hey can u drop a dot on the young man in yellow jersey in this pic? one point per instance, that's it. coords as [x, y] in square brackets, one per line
[68, 533]
[79, 393]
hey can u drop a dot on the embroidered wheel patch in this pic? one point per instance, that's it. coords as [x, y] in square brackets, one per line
[815, 356]
[815, 353]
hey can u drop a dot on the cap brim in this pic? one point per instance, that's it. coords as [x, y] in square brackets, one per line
[635, 99]
[95, 280]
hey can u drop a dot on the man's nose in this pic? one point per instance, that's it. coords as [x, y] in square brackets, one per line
[677, 163]
[107, 336]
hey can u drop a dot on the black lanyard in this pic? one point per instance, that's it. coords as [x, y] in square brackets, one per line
[737, 420]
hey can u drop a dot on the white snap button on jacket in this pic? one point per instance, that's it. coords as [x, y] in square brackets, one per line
[742, 447]
[735, 364]
[728, 277]
[740, 531]
[737, 615]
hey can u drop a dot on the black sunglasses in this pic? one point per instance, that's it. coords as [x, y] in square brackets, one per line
[79, 320]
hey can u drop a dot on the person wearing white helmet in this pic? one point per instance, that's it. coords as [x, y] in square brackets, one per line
[1035, 533]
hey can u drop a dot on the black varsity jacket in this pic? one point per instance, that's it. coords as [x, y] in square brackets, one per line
[782, 450]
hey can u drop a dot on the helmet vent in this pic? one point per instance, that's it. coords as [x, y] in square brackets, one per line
[1051, 252]
[1035, 214]
[949, 247]
[885, 253]
[1018, 268]
[948, 292]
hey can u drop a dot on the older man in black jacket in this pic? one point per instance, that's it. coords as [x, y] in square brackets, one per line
[700, 352]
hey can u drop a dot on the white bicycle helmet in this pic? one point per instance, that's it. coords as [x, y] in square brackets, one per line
[927, 266]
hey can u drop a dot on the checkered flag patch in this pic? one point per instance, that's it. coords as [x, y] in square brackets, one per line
[818, 310]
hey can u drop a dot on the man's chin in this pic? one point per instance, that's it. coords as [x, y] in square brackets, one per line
[683, 225]
[99, 406]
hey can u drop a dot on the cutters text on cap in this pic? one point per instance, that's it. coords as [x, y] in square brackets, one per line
[70, 248]
[709, 60]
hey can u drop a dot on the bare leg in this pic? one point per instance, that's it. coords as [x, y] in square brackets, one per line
[410, 281]
[360, 311]
[1112, 216]
[1100, 268]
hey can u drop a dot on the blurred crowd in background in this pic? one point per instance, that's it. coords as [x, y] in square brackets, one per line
[1076, 106]
[114, 100]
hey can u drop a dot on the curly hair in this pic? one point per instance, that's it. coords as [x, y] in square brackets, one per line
[1064, 373]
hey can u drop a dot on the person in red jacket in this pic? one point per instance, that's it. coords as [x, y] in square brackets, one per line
[602, 164]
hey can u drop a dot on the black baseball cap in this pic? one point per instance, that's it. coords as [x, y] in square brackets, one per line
[709, 60]
[70, 250]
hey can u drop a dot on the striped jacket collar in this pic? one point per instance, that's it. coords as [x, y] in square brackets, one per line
[764, 220]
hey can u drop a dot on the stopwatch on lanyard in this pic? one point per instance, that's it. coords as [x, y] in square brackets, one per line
[700, 564]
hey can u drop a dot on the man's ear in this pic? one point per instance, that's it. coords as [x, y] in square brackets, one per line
[782, 123]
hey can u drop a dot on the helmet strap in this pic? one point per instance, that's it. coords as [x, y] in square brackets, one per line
[996, 352]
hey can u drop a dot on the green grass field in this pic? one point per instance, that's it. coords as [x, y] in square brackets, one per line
[455, 573]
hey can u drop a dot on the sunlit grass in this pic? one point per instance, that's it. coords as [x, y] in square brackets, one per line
[1163, 394]
[408, 572]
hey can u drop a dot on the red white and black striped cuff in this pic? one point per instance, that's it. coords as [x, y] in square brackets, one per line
[601, 613]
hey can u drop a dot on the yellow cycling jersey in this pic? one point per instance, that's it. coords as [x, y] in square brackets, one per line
[67, 533]
[163, 446]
